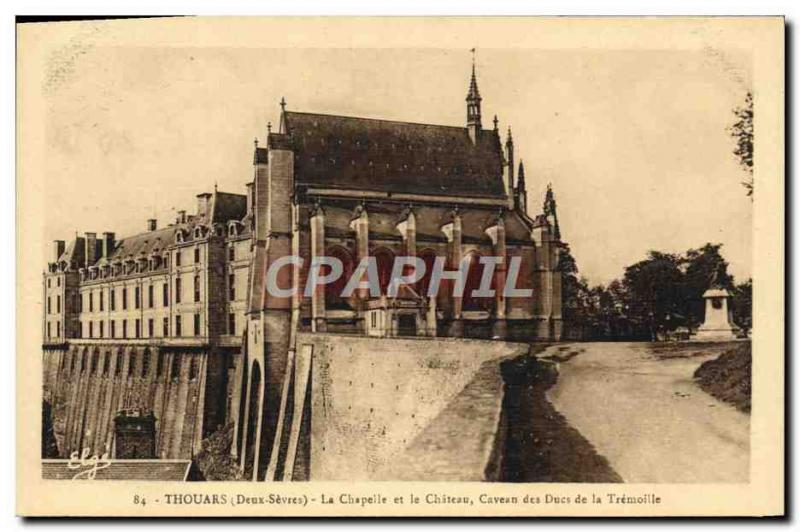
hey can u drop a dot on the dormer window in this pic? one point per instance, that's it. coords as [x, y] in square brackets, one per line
[179, 236]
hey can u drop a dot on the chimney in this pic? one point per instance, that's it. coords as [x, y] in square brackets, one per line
[58, 249]
[151, 224]
[181, 217]
[203, 202]
[91, 249]
[108, 245]
[250, 189]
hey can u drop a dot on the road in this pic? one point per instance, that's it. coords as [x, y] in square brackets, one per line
[647, 416]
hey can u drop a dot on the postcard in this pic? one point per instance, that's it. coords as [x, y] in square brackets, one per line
[460, 266]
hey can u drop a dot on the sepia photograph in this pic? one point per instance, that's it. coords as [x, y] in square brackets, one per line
[453, 260]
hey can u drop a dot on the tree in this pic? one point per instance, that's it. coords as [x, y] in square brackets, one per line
[742, 132]
[574, 294]
[653, 288]
[49, 443]
[703, 266]
[743, 305]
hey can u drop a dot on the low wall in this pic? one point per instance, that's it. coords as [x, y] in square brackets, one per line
[411, 408]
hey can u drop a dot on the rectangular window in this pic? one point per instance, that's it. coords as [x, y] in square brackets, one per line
[165, 294]
[101, 300]
[232, 324]
[124, 299]
[48, 330]
[48, 286]
[91, 301]
[232, 253]
[112, 300]
[91, 329]
[136, 298]
[177, 290]
[48, 307]
[177, 258]
[137, 328]
[124, 328]
[58, 304]
[197, 324]
[150, 296]
[150, 328]
[165, 327]
[196, 255]
[58, 329]
[177, 325]
[102, 328]
[196, 288]
[113, 327]
[232, 287]
[58, 281]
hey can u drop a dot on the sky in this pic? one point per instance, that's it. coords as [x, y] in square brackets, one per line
[634, 142]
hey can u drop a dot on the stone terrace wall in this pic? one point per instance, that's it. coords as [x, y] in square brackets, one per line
[184, 389]
[391, 408]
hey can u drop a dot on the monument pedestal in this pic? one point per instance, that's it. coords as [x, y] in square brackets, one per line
[718, 325]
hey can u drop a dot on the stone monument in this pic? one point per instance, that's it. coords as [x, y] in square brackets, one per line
[717, 325]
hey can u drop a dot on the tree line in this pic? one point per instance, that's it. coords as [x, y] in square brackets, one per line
[657, 298]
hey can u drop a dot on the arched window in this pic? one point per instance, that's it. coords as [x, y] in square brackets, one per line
[385, 261]
[159, 365]
[473, 282]
[84, 361]
[428, 256]
[106, 363]
[333, 291]
[120, 361]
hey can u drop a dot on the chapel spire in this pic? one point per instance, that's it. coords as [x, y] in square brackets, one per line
[473, 105]
[510, 164]
[520, 192]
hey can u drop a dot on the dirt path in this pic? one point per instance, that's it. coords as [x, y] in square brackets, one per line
[641, 410]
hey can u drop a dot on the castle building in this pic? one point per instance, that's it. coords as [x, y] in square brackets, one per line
[153, 321]
[180, 319]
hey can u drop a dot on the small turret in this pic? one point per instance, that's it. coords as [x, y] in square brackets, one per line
[510, 161]
[549, 210]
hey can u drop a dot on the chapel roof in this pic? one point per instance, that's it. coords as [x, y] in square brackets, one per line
[389, 156]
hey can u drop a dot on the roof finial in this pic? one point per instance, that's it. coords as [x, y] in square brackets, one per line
[269, 128]
[495, 122]
[255, 141]
[283, 104]
[509, 138]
